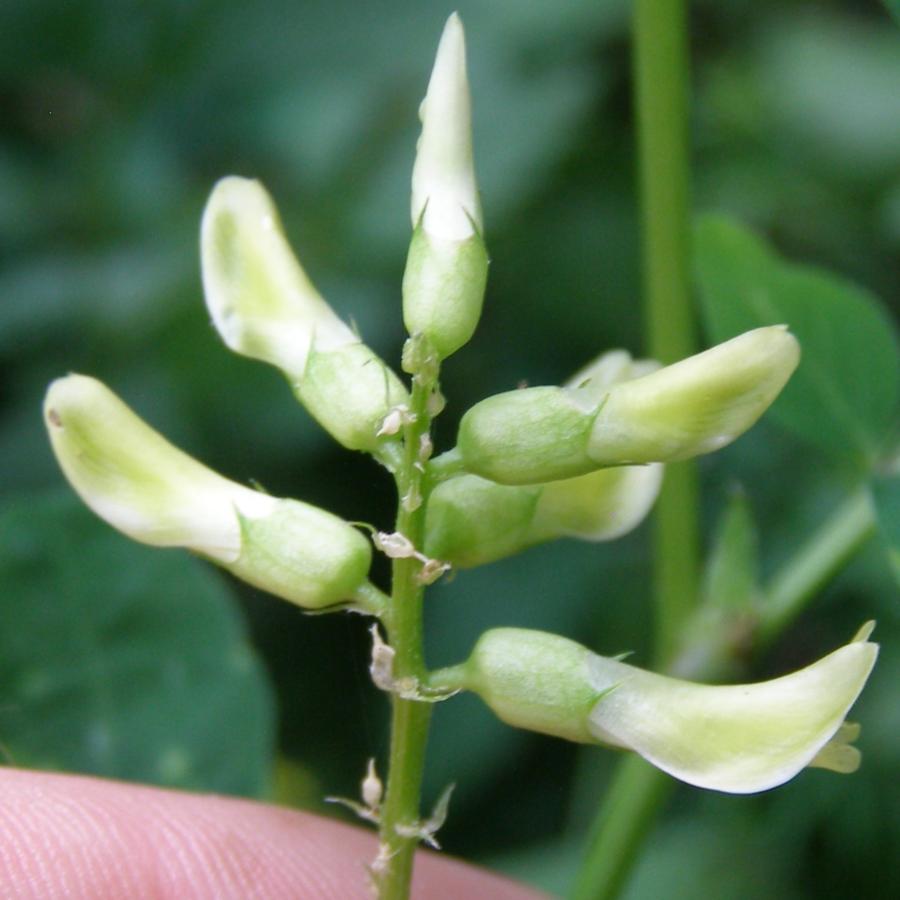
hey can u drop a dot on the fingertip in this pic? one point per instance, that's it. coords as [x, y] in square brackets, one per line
[64, 835]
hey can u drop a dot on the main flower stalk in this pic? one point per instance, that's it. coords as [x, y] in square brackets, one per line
[410, 718]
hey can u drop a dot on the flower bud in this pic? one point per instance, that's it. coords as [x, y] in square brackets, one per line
[734, 738]
[444, 193]
[446, 270]
[695, 406]
[471, 521]
[129, 475]
[265, 307]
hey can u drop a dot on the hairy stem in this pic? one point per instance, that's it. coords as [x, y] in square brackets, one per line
[392, 870]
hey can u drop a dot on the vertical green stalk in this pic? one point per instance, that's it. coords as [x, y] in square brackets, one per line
[661, 94]
[626, 815]
[661, 103]
[410, 718]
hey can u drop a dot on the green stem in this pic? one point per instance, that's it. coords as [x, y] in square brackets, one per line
[445, 466]
[661, 102]
[371, 600]
[824, 553]
[812, 565]
[392, 870]
[449, 679]
[675, 554]
[629, 808]
[661, 93]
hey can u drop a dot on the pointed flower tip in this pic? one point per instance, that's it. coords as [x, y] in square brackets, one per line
[444, 193]
[735, 738]
[697, 405]
[453, 38]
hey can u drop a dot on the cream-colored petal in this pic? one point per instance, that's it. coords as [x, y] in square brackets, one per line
[609, 369]
[136, 480]
[838, 754]
[260, 299]
[444, 193]
[734, 738]
[697, 405]
[599, 506]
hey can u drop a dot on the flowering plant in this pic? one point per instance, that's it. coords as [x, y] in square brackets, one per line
[585, 459]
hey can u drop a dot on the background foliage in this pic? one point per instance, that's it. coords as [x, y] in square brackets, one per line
[117, 118]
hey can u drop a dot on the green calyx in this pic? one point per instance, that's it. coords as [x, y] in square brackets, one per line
[533, 680]
[443, 288]
[471, 521]
[527, 436]
[303, 554]
[349, 391]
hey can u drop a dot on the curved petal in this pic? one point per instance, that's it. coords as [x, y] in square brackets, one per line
[697, 405]
[734, 738]
[260, 299]
[132, 477]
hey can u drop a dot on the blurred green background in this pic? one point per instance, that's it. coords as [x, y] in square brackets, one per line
[116, 118]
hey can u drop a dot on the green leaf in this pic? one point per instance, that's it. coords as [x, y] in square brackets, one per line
[122, 661]
[894, 9]
[843, 397]
[886, 494]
